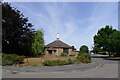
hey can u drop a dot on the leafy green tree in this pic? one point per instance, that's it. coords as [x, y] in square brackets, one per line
[114, 43]
[84, 49]
[96, 49]
[38, 43]
[16, 31]
[102, 37]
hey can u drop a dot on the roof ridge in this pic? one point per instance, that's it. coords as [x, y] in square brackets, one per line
[58, 43]
[64, 43]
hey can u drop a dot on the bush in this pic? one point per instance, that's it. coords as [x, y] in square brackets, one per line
[72, 55]
[85, 54]
[10, 59]
[64, 54]
[84, 49]
[70, 61]
[54, 63]
[83, 58]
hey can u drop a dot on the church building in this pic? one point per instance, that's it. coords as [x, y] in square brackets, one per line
[57, 47]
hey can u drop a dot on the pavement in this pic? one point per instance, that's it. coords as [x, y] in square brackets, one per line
[99, 68]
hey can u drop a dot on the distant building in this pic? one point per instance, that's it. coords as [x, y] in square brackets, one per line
[57, 47]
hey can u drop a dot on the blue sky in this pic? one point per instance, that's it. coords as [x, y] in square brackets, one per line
[76, 22]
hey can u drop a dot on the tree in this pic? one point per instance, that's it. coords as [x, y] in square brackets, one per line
[74, 49]
[84, 49]
[114, 43]
[96, 49]
[102, 37]
[16, 31]
[38, 43]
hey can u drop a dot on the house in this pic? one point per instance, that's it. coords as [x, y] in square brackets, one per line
[57, 47]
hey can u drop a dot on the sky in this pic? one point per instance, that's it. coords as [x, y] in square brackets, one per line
[76, 22]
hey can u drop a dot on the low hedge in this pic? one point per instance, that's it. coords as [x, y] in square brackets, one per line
[85, 54]
[83, 58]
[10, 59]
[70, 61]
[54, 63]
[57, 62]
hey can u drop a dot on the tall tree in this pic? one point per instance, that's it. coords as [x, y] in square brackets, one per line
[38, 43]
[84, 49]
[16, 31]
[102, 37]
[114, 43]
[96, 49]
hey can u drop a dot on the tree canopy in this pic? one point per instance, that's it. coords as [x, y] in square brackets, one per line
[38, 43]
[114, 43]
[84, 49]
[107, 39]
[96, 49]
[102, 37]
[17, 32]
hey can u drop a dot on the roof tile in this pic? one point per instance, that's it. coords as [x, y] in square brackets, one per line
[58, 43]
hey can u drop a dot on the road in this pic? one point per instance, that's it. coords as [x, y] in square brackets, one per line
[108, 69]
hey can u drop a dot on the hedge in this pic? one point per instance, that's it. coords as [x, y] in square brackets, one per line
[10, 59]
[83, 58]
[54, 63]
[85, 54]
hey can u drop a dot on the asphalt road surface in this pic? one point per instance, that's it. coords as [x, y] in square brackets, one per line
[107, 69]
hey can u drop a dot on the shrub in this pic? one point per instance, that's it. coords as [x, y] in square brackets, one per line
[64, 54]
[85, 54]
[70, 61]
[54, 63]
[10, 59]
[79, 54]
[84, 49]
[83, 58]
[72, 55]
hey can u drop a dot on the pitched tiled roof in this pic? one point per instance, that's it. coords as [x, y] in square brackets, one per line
[58, 43]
